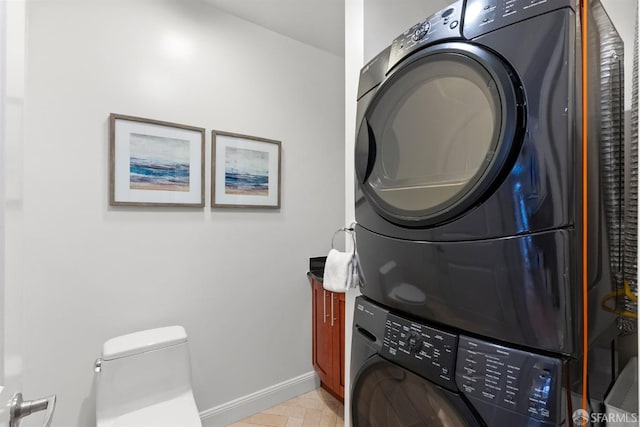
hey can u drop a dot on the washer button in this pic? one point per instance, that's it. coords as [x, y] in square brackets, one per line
[453, 25]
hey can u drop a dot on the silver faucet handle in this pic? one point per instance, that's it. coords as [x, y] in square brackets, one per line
[21, 408]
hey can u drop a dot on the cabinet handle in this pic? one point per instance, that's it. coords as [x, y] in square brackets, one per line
[332, 296]
[324, 306]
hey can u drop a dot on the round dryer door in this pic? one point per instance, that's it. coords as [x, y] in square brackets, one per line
[438, 133]
[387, 395]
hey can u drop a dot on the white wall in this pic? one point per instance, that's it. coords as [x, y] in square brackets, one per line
[234, 278]
[3, 136]
[11, 178]
[354, 51]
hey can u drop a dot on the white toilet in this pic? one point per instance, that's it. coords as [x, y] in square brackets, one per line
[144, 380]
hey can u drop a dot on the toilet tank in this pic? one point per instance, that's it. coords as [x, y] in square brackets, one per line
[142, 369]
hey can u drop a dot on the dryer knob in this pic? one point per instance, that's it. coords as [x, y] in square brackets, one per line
[421, 31]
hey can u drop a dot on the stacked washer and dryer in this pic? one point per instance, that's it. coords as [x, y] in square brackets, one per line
[470, 210]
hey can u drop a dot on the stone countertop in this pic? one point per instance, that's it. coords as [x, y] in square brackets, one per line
[316, 268]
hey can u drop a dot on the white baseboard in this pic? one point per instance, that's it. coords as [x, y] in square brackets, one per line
[240, 408]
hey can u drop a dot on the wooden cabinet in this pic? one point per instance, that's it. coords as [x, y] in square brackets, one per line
[328, 314]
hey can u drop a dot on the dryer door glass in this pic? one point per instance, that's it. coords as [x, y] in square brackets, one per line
[436, 131]
[387, 395]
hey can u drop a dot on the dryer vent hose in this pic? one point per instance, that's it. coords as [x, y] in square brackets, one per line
[629, 302]
[621, 222]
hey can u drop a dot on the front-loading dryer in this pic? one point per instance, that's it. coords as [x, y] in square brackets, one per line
[469, 169]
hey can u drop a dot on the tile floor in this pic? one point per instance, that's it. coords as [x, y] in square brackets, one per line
[314, 409]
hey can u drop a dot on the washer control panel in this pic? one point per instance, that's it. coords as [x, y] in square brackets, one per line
[441, 26]
[483, 16]
[524, 382]
[427, 351]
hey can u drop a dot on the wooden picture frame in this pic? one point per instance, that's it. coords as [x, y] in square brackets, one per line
[155, 163]
[245, 171]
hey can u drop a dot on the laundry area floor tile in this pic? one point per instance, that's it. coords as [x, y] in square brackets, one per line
[314, 409]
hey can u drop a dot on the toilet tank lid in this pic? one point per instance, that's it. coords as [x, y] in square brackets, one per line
[143, 341]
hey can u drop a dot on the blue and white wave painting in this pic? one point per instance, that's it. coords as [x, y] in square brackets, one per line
[246, 172]
[158, 163]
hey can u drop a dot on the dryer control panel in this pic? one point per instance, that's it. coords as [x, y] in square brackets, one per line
[493, 375]
[426, 351]
[443, 25]
[483, 16]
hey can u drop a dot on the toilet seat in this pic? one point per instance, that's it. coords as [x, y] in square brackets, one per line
[180, 411]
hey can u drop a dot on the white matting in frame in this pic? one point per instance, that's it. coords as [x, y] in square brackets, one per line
[245, 171]
[155, 163]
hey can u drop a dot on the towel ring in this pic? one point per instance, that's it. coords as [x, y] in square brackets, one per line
[350, 231]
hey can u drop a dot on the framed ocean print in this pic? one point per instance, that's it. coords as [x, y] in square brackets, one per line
[155, 163]
[245, 171]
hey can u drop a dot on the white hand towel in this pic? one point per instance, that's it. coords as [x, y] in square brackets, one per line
[340, 271]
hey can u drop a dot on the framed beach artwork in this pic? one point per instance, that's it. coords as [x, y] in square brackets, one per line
[155, 163]
[245, 171]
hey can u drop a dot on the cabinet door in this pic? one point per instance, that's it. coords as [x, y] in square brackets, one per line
[322, 333]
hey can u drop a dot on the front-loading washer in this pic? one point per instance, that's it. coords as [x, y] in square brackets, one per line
[469, 169]
[407, 373]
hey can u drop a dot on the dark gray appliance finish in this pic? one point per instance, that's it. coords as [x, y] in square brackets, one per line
[515, 289]
[492, 375]
[407, 373]
[533, 189]
[496, 250]
[424, 350]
